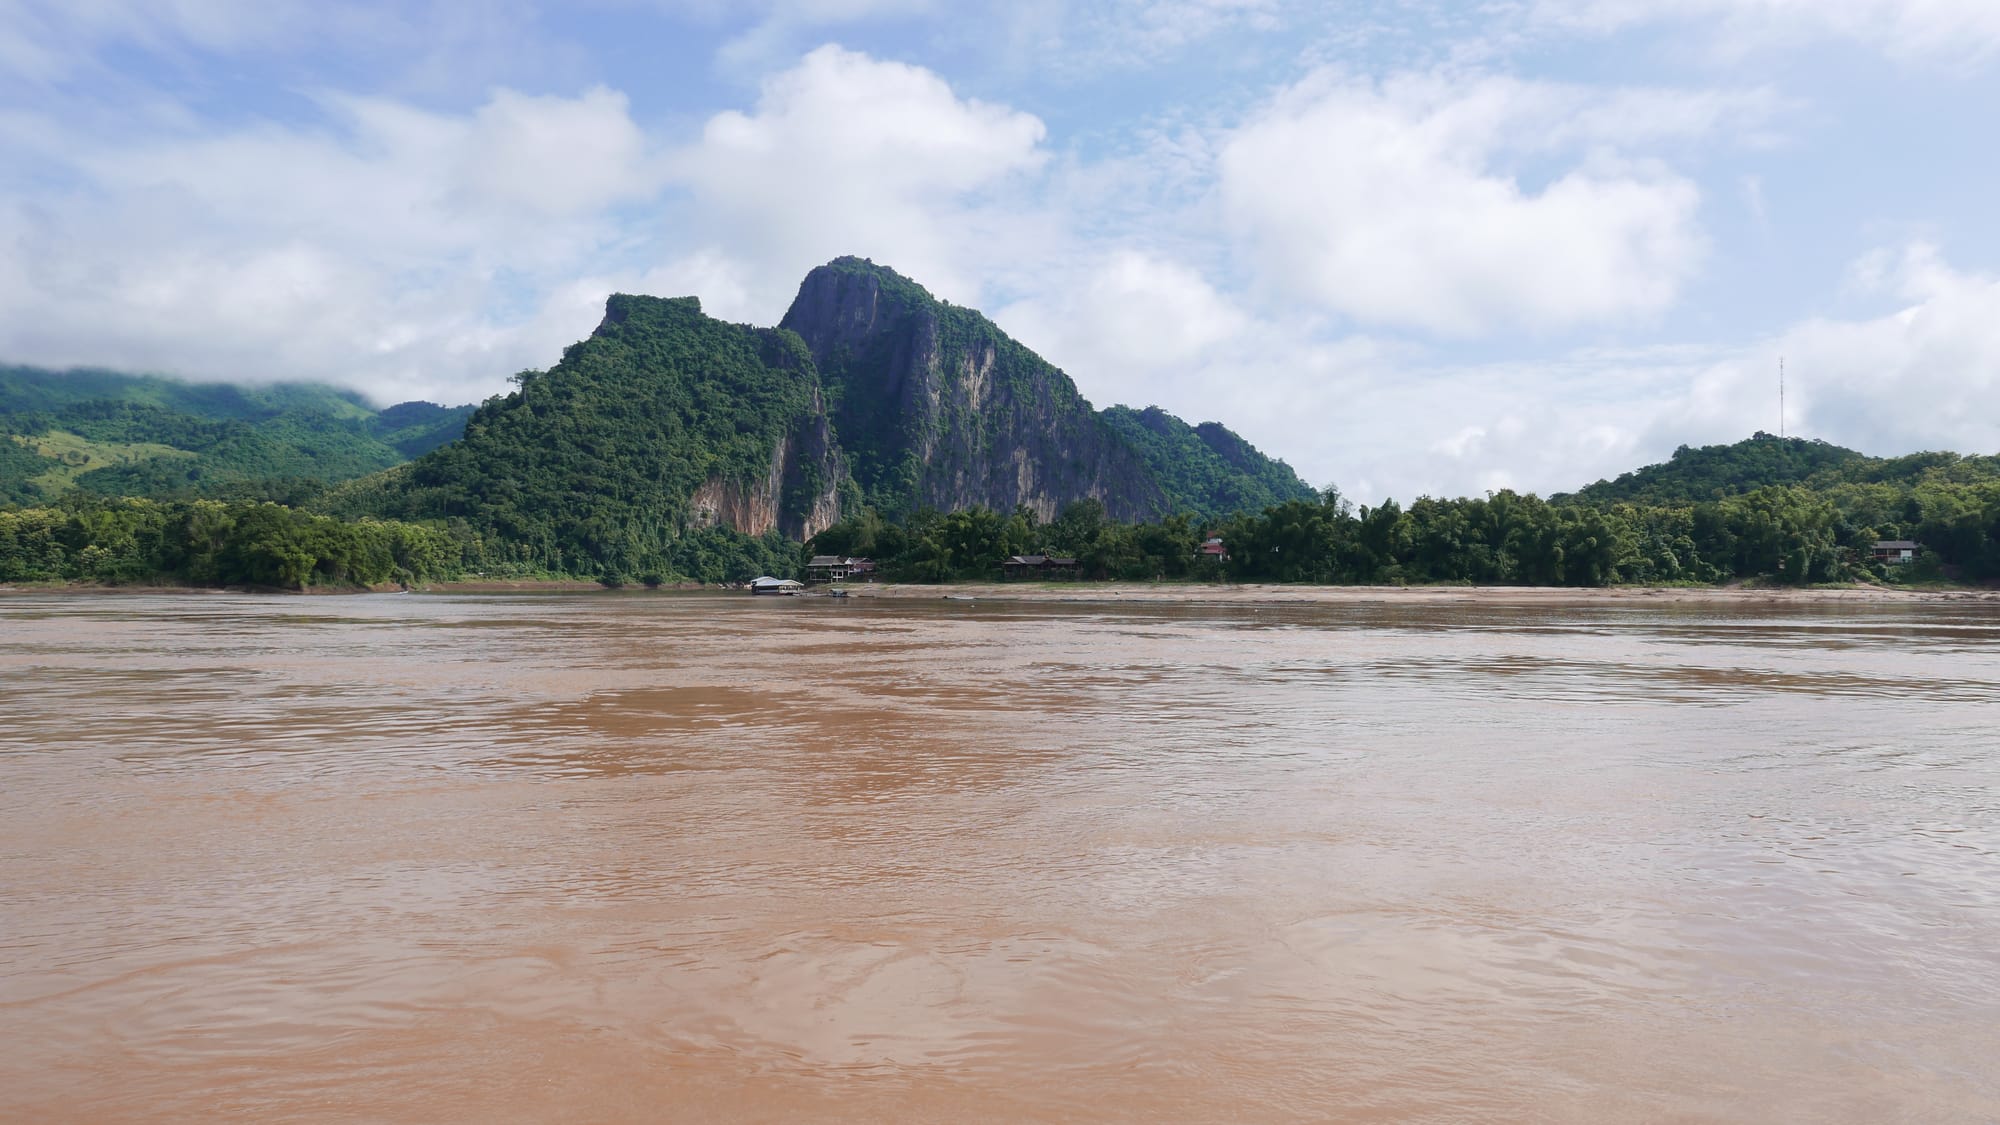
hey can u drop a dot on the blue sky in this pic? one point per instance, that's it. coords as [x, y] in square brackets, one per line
[1414, 247]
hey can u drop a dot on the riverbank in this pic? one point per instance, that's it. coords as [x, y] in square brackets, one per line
[1185, 593]
[466, 586]
[1221, 593]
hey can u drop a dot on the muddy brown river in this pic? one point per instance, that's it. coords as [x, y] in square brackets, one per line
[651, 857]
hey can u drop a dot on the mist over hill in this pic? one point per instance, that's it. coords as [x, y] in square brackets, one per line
[113, 434]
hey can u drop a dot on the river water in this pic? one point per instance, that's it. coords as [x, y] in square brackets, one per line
[647, 857]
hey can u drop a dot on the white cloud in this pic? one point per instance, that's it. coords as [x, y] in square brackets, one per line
[845, 154]
[1130, 322]
[1962, 31]
[1922, 376]
[397, 250]
[1138, 328]
[1400, 203]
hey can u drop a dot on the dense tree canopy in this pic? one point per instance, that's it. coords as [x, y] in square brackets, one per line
[213, 543]
[127, 435]
[589, 468]
[1205, 469]
[1762, 461]
[1783, 534]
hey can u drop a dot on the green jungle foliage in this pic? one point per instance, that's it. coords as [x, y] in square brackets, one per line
[1715, 471]
[128, 435]
[215, 543]
[1205, 469]
[588, 468]
[970, 545]
[1784, 534]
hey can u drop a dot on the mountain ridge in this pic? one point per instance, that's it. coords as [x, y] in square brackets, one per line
[111, 433]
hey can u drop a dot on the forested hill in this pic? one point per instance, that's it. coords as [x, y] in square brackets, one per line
[662, 423]
[1713, 472]
[1206, 469]
[114, 434]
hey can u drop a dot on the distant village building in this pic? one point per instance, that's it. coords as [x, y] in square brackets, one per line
[1037, 566]
[1212, 548]
[826, 568]
[835, 568]
[1895, 552]
[765, 584]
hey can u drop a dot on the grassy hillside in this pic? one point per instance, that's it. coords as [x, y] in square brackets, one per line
[135, 435]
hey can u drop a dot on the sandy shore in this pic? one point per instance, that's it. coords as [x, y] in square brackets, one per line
[1194, 593]
[512, 586]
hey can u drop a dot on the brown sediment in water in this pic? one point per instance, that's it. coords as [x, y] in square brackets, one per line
[703, 856]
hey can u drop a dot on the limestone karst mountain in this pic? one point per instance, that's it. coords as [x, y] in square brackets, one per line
[870, 393]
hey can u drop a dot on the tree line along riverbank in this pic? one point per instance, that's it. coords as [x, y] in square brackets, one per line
[1788, 535]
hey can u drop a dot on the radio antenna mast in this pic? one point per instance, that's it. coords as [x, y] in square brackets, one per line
[1781, 396]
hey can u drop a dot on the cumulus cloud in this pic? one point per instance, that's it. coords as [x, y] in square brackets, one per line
[1136, 327]
[391, 249]
[1920, 376]
[848, 154]
[1400, 203]
[1131, 321]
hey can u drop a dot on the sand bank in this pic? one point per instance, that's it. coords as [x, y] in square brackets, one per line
[1198, 593]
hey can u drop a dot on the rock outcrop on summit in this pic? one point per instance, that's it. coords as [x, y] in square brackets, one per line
[937, 407]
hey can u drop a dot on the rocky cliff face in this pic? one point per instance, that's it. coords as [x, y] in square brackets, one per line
[799, 495]
[936, 407]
